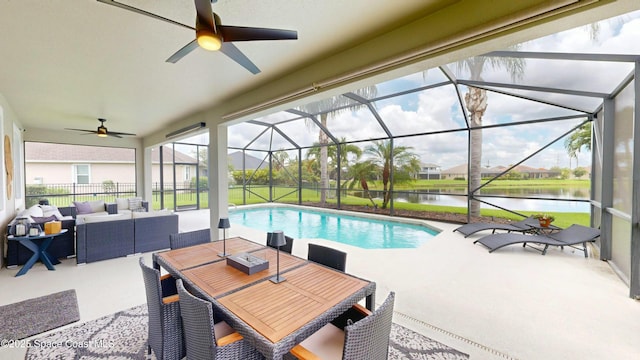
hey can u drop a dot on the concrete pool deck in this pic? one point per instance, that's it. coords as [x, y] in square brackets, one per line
[511, 304]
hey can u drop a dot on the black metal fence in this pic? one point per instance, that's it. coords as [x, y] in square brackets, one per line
[65, 194]
[187, 196]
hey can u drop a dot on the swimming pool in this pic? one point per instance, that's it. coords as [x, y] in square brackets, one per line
[358, 231]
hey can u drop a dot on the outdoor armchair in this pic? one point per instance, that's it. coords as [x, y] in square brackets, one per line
[327, 256]
[165, 326]
[189, 238]
[206, 340]
[286, 248]
[367, 338]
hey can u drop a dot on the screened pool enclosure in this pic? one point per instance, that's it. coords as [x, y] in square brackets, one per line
[458, 142]
[549, 126]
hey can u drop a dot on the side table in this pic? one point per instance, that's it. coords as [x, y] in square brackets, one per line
[39, 252]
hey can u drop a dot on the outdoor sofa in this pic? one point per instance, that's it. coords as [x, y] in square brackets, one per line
[117, 235]
[133, 236]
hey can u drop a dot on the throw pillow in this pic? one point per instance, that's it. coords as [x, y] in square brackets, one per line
[48, 210]
[123, 204]
[135, 204]
[82, 207]
[97, 206]
[35, 210]
[44, 219]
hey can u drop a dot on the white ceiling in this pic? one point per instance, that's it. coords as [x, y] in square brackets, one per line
[66, 63]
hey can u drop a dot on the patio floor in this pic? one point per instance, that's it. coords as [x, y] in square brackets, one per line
[511, 304]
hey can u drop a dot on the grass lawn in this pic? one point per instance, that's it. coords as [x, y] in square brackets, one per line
[260, 194]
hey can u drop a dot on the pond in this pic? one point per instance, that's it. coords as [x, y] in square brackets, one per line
[566, 203]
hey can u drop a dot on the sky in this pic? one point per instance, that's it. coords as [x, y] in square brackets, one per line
[438, 108]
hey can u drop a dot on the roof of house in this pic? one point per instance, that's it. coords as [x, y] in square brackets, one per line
[50, 152]
[429, 165]
[462, 169]
[250, 162]
[167, 156]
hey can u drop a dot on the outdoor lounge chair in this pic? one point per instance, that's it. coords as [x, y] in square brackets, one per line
[571, 236]
[517, 226]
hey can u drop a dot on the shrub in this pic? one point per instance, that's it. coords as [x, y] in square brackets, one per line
[108, 186]
[203, 183]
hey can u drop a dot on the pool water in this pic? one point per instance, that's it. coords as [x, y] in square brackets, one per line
[363, 232]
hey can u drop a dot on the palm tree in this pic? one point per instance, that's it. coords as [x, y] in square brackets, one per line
[332, 154]
[336, 105]
[280, 158]
[405, 164]
[476, 102]
[357, 176]
[577, 140]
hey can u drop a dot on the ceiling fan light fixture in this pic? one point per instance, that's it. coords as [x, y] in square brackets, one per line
[102, 131]
[208, 40]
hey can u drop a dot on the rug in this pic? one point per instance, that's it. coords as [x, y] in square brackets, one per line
[123, 335]
[34, 316]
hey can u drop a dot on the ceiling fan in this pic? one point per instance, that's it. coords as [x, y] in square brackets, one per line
[212, 35]
[102, 131]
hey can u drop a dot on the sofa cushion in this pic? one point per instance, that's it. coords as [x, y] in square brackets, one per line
[97, 206]
[82, 207]
[104, 218]
[135, 204]
[80, 218]
[123, 204]
[138, 215]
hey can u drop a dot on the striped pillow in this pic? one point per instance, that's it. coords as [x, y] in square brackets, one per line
[135, 204]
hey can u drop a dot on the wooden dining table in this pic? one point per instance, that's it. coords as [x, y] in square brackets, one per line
[273, 317]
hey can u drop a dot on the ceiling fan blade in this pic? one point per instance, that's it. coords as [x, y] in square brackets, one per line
[88, 131]
[114, 133]
[241, 33]
[183, 52]
[143, 12]
[236, 55]
[204, 13]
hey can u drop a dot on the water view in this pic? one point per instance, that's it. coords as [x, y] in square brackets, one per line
[569, 199]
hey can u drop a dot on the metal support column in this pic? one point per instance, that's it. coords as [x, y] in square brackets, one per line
[299, 176]
[634, 278]
[608, 127]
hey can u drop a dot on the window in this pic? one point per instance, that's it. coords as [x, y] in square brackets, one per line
[81, 174]
[187, 173]
[38, 180]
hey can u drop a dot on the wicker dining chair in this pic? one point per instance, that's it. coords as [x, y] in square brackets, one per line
[365, 339]
[327, 256]
[206, 340]
[189, 238]
[165, 326]
[287, 247]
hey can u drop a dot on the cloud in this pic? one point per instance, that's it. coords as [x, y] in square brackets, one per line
[439, 109]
